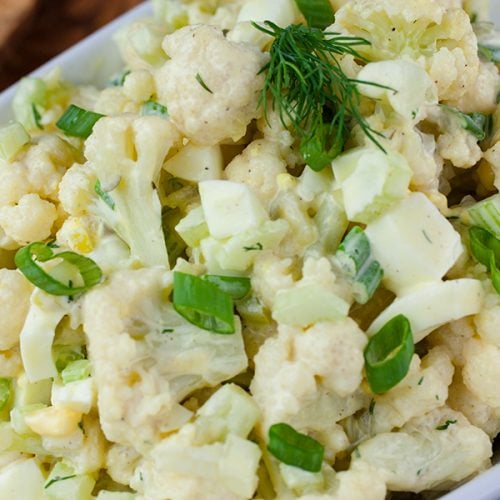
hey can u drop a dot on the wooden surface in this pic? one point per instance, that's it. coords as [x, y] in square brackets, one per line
[34, 31]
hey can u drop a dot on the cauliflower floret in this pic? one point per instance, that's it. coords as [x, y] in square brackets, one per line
[258, 166]
[143, 369]
[121, 462]
[492, 156]
[76, 189]
[30, 220]
[210, 85]
[15, 291]
[115, 101]
[139, 86]
[481, 370]
[460, 147]
[440, 40]
[487, 321]
[479, 413]
[209, 458]
[481, 97]
[423, 389]
[313, 387]
[428, 452]
[14, 183]
[453, 337]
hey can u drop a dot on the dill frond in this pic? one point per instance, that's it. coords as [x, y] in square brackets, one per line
[306, 84]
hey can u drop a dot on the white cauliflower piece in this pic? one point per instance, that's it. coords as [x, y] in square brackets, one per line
[487, 321]
[481, 370]
[114, 101]
[139, 86]
[313, 388]
[76, 189]
[201, 57]
[460, 147]
[121, 462]
[14, 183]
[141, 368]
[209, 458]
[28, 221]
[258, 166]
[15, 291]
[481, 97]
[439, 39]
[424, 389]
[428, 452]
[479, 413]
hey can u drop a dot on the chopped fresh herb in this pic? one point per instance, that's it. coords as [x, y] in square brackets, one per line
[356, 453]
[419, 472]
[445, 426]
[371, 407]
[37, 117]
[119, 80]
[420, 381]
[105, 197]
[257, 246]
[153, 108]
[318, 13]
[437, 397]
[294, 448]
[306, 84]
[27, 258]
[167, 330]
[489, 54]
[56, 479]
[426, 236]
[200, 80]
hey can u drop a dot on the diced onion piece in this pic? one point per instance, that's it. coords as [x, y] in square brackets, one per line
[12, 138]
[78, 122]
[203, 304]
[388, 354]
[293, 448]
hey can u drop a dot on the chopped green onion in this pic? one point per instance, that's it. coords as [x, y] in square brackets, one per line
[388, 354]
[486, 214]
[203, 304]
[354, 258]
[478, 124]
[66, 354]
[485, 248]
[25, 259]
[318, 13]
[37, 117]
[353, 252]
[78, 122]
[445, 426]
[367, 281]
[154, 108]
[257, 247]
[325, 145]
[12, 138]
[119, 80]
[5, 391]
[76, 370]
[293, 448]
[237, 287]
[105, 196]
[200, 80]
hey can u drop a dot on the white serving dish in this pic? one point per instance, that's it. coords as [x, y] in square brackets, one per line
[94, 60]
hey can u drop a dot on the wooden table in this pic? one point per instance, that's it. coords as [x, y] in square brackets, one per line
[34, 31]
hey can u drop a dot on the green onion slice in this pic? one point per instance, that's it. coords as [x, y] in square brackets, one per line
[367, 281]
[78, 122]
[203, 304]
[486, 214]
[5, 391]
[388, 354]
[154, 108]
[485, 248]
[238, 287]
[293, 448]
[26, 260]
[353, 252]
[318, 13]
[104, 195]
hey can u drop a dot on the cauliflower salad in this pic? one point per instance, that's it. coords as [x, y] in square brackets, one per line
[262, 262]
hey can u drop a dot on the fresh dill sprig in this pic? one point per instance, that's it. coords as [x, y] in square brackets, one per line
[306, 84]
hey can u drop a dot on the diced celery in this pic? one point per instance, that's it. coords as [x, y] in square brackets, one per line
[31, 92]
[304, 305]
[196, 163]
[12, 138]
[229, 411]
[66, 354]
[76, 370]
[193, 228]
[63, 484]
[486, 214]
[10, 441]
[17, 415]
[371, 181]
[27, 393]
[146, 40]
[22, 480]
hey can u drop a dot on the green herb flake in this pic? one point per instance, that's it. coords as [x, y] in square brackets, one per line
[426, 236]
[256, 247]
[445, 426]
[371, 407]
[105, 196]
[420, 381]
[167, 330]
[58, 479]
[37, 117]
[200, 80]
